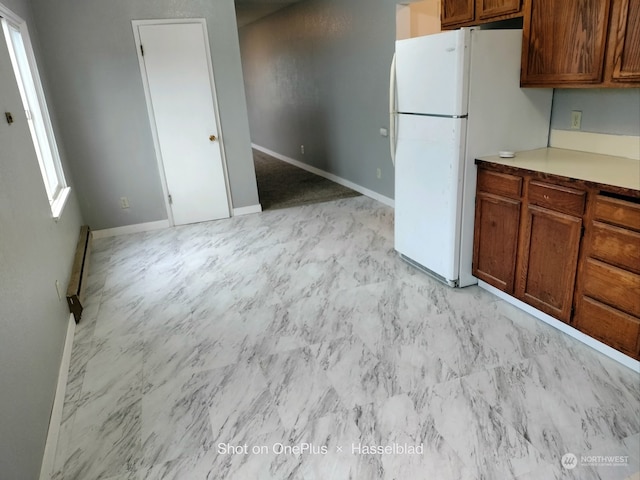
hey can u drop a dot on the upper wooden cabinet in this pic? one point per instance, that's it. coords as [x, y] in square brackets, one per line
[457, 12]
[623, 63]
[564, 41]
[581, 43]
[492, 9]
[464, 13]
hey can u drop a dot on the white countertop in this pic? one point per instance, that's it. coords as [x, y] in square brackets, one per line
[591, 167]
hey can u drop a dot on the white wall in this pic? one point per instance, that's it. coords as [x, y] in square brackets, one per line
[35, 251]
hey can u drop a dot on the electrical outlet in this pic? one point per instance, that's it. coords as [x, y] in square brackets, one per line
[384, 132]
[379, 173]
[124, 202]
[302, 149]
[576, 120]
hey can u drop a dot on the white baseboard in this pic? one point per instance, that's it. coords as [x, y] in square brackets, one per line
[127, 229]
[619, 145]
[563, 327]
[247, 210]
[46, 470]
[330, 176]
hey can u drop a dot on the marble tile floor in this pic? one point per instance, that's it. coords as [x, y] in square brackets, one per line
[299, 337]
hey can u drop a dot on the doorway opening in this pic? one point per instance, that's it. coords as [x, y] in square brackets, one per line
[287, 175]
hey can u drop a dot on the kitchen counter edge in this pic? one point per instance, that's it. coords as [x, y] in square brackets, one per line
[605, 172]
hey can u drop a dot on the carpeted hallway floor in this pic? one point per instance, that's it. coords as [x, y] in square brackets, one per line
[282, 185]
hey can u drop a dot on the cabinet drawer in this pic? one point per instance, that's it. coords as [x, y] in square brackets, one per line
[612, 286]
[615, 245]
[555, 197]
[618, 212]
[500, 184]
[610, 326]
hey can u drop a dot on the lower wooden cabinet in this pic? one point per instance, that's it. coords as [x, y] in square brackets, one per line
[497, 223]
[607, 300]
[563, 248]
[549, 258]
[609, 325]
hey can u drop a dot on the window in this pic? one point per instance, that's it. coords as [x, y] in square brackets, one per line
[26, 72]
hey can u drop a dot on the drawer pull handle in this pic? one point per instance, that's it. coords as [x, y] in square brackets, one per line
[546, 197]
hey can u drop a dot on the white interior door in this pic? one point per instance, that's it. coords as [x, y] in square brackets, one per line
[175, 65]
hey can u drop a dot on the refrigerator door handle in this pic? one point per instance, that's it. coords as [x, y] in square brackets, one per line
[392, 110]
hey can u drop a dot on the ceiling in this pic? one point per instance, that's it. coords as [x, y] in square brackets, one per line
[248, 11]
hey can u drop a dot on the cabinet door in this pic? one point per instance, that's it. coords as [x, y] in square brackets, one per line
[564, 42]
[457, 11]
[487, 9]
[624, 42]
[495, 240]
[549, 252]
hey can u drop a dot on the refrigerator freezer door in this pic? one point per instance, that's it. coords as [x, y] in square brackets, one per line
[428, 192]
[431, 73]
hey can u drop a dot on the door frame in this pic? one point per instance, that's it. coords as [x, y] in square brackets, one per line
[152, 121]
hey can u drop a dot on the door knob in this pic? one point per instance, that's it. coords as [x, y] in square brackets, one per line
[213, 138]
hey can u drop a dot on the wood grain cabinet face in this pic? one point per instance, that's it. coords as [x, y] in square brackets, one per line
[564, 42]
[497, 223]
[549, 253]
[556, 197]
[624, 42]
[456, 12]
[609, 325]
[618, 212]
[496, 240]
[612, 286]
[461, 13]
[488, 9]
[607, 305]
[616, 246]
[572, 253]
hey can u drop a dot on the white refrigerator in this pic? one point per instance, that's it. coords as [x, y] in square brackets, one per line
[454, 96]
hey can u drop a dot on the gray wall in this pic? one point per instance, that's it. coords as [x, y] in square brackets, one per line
[89, 49]
[35, 251]
[317, 74]
[612, 111]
